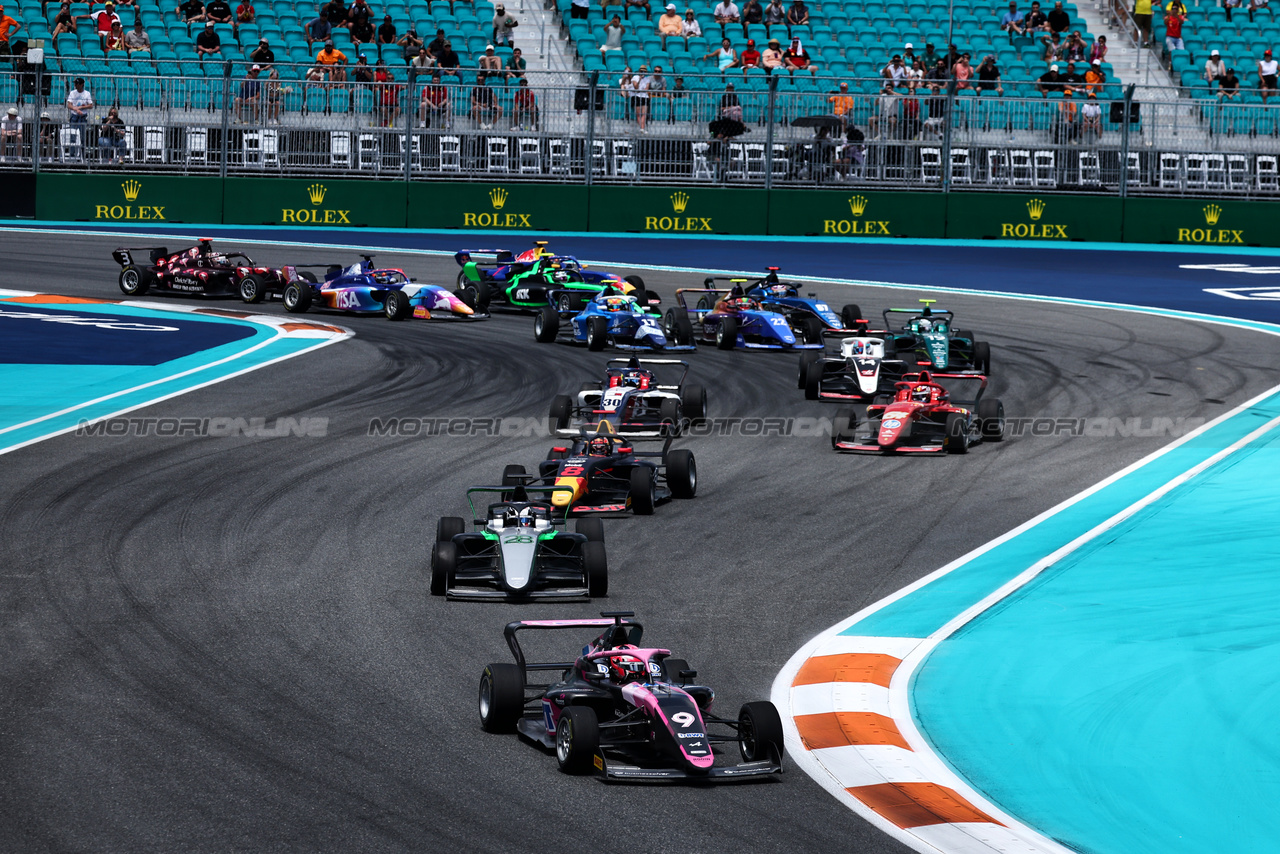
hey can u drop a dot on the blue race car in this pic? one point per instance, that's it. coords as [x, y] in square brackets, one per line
[807, 315]
[731, 319]
[610, 318]
[363, 288]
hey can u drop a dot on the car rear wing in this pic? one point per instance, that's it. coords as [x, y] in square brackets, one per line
[518, 492]
[608, 619]
[496, 256]
[963, 387]
[948, 316]
[623, 364]
[124, 254]
[591, 431]
[680, 292]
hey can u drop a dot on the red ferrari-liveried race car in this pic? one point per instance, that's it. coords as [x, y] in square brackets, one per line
[928, 413]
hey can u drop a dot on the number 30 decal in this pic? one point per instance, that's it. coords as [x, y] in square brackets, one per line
[684, 719]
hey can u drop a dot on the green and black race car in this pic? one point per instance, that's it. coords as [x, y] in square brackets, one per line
[525, 281]
[929, 335]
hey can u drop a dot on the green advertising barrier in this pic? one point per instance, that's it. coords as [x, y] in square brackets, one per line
[1019, 216]
[679, 210]
[128, 198]
[545, 207]
[1201, 222]
[855, 213]
[315, 203]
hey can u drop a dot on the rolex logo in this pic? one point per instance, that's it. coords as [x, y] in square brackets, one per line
[1211, 214]
[131, 189]
[858, 204]
[1035, 207]
[316, 193]
[499, 198]
[679, 201]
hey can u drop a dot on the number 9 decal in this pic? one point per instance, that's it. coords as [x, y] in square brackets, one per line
[683, 719]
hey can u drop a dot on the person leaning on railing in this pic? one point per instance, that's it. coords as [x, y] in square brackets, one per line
[250, 94]
[111, 136]
[11, 135]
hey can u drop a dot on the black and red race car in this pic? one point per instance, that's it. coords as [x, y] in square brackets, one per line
[624, 712]
[927, 413]
[199, 270]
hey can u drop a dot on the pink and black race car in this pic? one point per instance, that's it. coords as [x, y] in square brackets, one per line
[927, 413]
[199, 270]
[625, 712]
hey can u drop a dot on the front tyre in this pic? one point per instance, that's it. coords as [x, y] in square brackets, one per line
[297, 297]
[501, 697]
[561, 411]
[591, 528]
[811, 330]
[397, 306]
[727, 334]
[546, 325]
[693, 403]
[577, 739]
[760, 732]
[444, 561]
[449, 527]
[813, 381]
[595, 568]
[991, 419]
[253, 289]
[807, 358]
[957, 435]
[643, 493]
[982, 357]
[682, 474]
[678, 327]
[850, 315]
[134, 281]
[597, 333]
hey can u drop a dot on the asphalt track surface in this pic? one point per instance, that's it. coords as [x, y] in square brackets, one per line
[226, 644]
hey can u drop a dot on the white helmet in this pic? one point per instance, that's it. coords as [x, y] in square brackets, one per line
[926, 326]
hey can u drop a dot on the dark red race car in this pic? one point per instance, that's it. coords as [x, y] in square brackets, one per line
[199, 270]
[928, 413]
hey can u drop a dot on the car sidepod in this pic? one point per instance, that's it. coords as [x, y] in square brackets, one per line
[678, 728]
[357, 299]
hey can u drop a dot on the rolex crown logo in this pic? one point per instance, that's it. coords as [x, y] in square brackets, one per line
[1035, 207]
[499, 198]
[131, 189]
[679, 201]
[858, 204]
[1211, 214]
[316, 192]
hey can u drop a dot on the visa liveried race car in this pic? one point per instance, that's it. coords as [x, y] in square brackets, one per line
[364, 288]
[199, 269]
[859, 371]
[807, 314]
[525, 281]
[519, 550]
[602, 472]
[625, 712]
[929, 413]
[633, 400]
[730, 319]
[930, 334]
[608, 319]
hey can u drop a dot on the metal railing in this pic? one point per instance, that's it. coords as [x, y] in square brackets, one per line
[581, 128]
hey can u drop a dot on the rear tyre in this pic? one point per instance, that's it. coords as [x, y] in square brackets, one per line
[513, 476]
[135, 281]
[957, 435]
[597, 333]
[501, 697]
[449, 527]
[704, 304]
[561, 411]
[991, 417]
[727, 334]
[693, 402]
[813, 381]
[806, 359]
[397, 306]
[678, 327]
[635, 282]
[546, 325]
[642, 296]
[760, 732]
[444, 560]
[252, 289]
[297, 297]
[672, 667]
[850, 315]
[682, 474]
[811, 330]
[643, 496]
[591, 528]
[982, 356]
[577, 739]
[595, 568]
[843, 426]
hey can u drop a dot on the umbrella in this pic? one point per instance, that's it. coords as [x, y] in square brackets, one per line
[822, 121]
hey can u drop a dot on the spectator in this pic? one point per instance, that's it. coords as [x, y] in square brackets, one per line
[1035, 20]
[915, 74]
[989, 76]
[580, 9]
[884, 122]
[436, 46]
[796, 58]
[962, 72]
[1067, 130]
[271, 89]
[315, 76]
[191, 10]
[1054, 49]
[111, 136]
[490, 64]
[386, 32]
[79, 103]
[774, 15]
[1228, 5]
[423, 62]
[336, 13]
[387, 95]
[48, 136]
[250, 93]
[640, 97]
[503, 24]
[447, 62]
[730, 106]
[1091, 117]
[1058, 19]
[208, 43]
[65, 22]
[137, 38]
[749, 58]
[1266, 75]
[332, 60]
[841, 105]
[410, 44]
[895, 72]
[1142, 17]
[263, 54]
[245, 13]
[524, 108]
[115, 41]
[725, 56]
[485, 109]
[1173, 20]
[908, 56]
[1214, 68]
[9, 26]
[219, 11]
[1254, 6]
[11, 135]
[361, 73]
[515, 65]
[1094, 78]
[1099, 50]
[938, 75]
[726, 12]
[658, 85]
[105, 21]
[316, 30]
[359, 12]
[1072, 79]
[613, 35]
[690, 28]
[1011, 21]
[669, 24]
[851, 155]
[642, 4]
[1050, 81]
[772, 56]
[361, 29]
[1229, 85]
[1076, 49]
[797, 15]
[930, 57]
[435, 103]
[752, 13]
[910, 117]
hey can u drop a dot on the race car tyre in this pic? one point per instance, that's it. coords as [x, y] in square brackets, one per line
[296, 298]
[468, 296]
[670, 416]
[813, 381]
[546, 325]
[444, 560]
[956, 440]
[577, 739]
[850, 315]
[991, 419]
[678, 327]
[449, 527]
[513, 475]
[811, 330]
[568, 302]
[642, 296]
[635, 282]
[463, 281]
[673, 667]
[693, 403]
[596, 568]
[310, 276]
[843, 426]
[597, 333]
[397, 306]
[591, 528]
[501, 697]
[964, 333]
[727, 334]
[643, 494]
[682, 474]
[982, 356]
[135, 281]
[807, 358]
[482, 297]
[760, 732]
[704, 304]
[561, 411]
[252, 288]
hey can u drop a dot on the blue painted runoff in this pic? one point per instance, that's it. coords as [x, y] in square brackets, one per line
[1124, 702]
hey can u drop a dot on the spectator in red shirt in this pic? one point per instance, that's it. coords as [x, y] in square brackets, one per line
[435, 103]
[1173, 27]
[104, 20]
[796, 58]
[749, 58]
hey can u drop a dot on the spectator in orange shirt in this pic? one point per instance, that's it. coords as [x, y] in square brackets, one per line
[1094, 78]
[842, 105]
[9, 26]
[332, 60]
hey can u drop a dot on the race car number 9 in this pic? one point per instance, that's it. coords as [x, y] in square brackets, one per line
[683, 719]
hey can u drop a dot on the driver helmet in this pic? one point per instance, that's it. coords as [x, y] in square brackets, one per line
[926, 326]
[616, 304]
[857, 347]
[600, 447]
[526, 518]
[635, 379]
[626, 668]
[921, 394]
[779, 289]
[742, 302]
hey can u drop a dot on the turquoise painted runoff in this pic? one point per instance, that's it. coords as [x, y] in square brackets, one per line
[1124, 702]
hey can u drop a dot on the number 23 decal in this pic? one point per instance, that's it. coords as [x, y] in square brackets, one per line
[683, 719]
